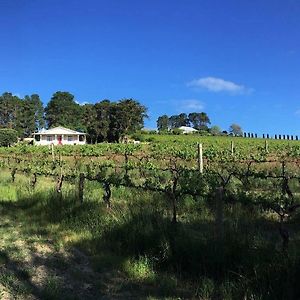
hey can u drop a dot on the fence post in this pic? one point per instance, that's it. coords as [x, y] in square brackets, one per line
[200, 158]
[52, 150]
[232, 148]
[266, 146]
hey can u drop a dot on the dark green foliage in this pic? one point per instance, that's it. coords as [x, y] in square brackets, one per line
[103, 120]
[9, 105]
[127, 116]
[199, 121]
[163, 123]
[176, 121]
[23, 115]
[62, 110]
[111, 121]
[8, 137]
[30, 115]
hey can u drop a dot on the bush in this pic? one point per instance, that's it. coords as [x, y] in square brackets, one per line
[138, 137]
[177, 131]
[151, 132]
[8, 137]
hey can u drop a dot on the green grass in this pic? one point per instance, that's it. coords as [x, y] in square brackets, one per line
[134, 248]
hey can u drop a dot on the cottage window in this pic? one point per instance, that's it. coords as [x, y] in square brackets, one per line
[49, 138]
[81, 138]
[70, 138]
[37, 137]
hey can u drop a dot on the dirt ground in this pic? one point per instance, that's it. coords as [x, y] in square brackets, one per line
[31, 267]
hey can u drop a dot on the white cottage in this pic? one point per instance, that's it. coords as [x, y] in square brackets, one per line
[59, 136]
[186, 129]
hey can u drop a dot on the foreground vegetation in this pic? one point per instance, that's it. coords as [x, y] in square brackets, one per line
[134, 248]
[154, 225]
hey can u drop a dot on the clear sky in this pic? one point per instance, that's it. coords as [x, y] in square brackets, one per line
[237, 60]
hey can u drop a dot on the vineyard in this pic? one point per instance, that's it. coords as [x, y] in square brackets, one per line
[217, 215]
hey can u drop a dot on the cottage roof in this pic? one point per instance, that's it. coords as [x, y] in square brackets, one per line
[187, 129]
[59, 130]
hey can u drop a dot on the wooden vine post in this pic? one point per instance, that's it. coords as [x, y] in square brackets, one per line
[13, 174]
[173, 193]
[33, 180]
[59, 183]
[107, 194]
[266, 146]
[126, 163]
[52, 151]
[200, 158]
[232, 148]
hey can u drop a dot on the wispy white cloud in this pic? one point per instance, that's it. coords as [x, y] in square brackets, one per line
[216, 85]
[190, 105]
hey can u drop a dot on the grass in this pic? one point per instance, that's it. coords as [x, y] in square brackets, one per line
[134, 249]
[140, 269]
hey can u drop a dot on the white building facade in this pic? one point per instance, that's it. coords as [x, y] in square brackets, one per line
[59, 136]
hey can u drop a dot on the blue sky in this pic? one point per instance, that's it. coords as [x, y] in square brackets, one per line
[239, 61]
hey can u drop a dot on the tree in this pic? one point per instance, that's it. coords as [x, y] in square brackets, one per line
[30, 115]
[9, 105]
[162, 123]
[89, 121]
[126, 116]
[236, 130]
[215, 130]
[199, 121]
[177, 121]
[183, 120]
[103, 120]
[38, 109]
[8, 137]
[62, 110]
[204, 121]
[174, 122]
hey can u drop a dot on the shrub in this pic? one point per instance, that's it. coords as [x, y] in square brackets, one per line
[138, 137]
[177, 131]
[8, 137]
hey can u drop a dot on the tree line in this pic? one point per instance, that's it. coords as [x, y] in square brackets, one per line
[197, 120]
[102, 121]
